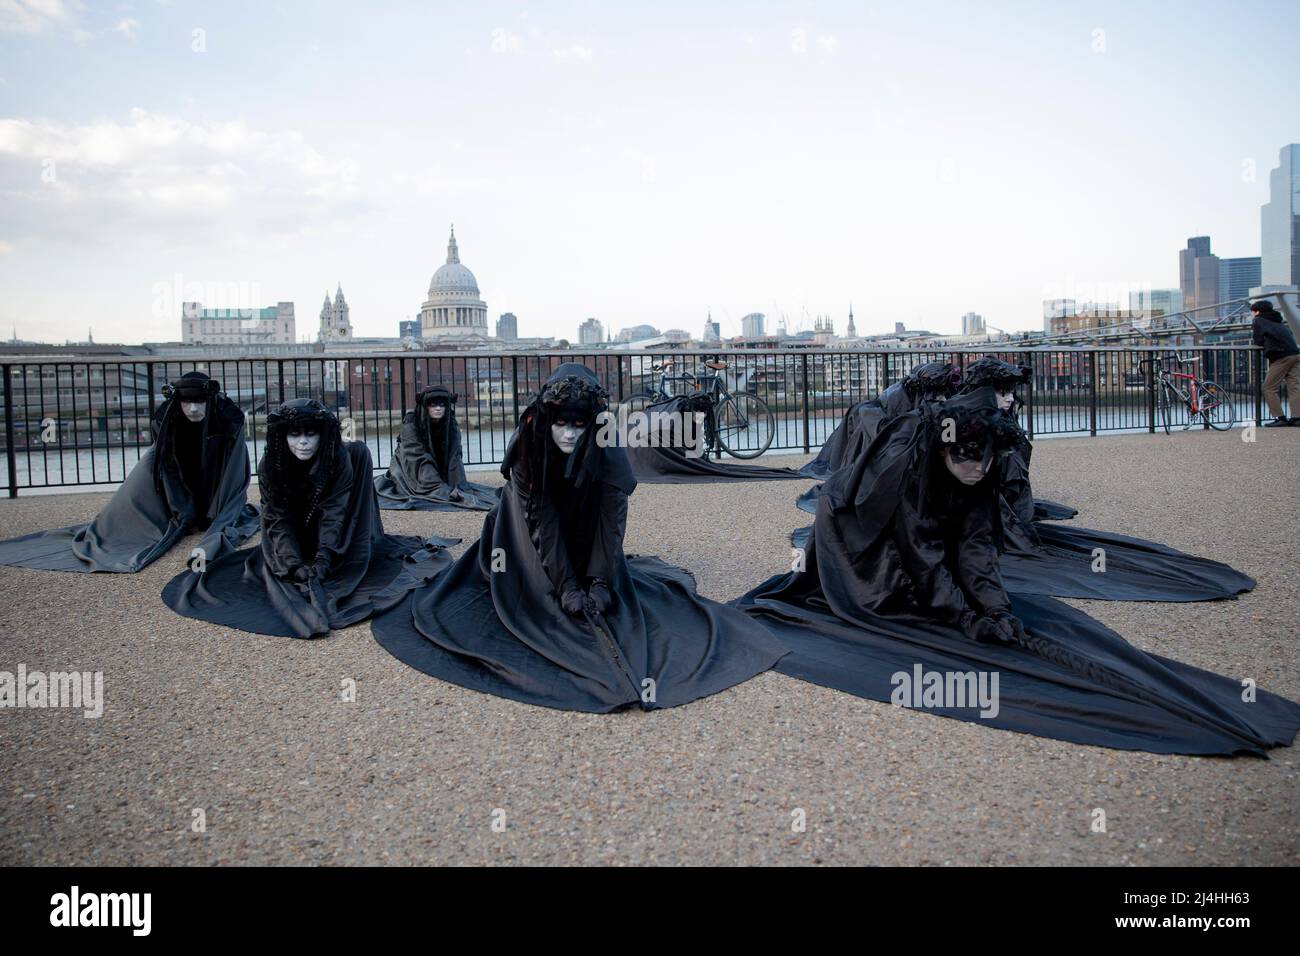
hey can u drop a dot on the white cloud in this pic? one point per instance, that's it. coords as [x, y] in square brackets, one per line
[129, 28]
[168, 174]
[503, 41]
[575, 50]
[33, 16]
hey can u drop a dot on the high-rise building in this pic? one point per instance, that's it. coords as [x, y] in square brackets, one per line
[269, 326]
[1198, 273]
[751, 326]
[507, 327]
[453, 308]
[1237, 277]
[591, 332]
[1150, 301]
[1279, 222]
[335, 321]
[972, 323]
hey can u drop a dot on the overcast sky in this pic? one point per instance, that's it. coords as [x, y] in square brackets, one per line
[636, 162]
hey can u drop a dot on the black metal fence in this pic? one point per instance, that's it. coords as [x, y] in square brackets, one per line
[86, 423]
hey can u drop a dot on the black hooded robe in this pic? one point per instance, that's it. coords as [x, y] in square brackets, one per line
[199, 482]
[367, 570]
[893, 562]
[494, 621]
[667, 463]
[427, 466]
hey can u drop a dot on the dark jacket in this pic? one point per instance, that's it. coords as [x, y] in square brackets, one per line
[1270, 332]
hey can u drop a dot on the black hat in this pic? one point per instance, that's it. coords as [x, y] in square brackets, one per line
[934, 378]
[192, 387]
[573, 390]
[995, 372]
[301, 413]
[1262, 305]
[977, 422]
[436, 393]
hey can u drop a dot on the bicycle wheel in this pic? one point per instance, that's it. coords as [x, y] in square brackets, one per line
[745, 425]
[1164, 399]
[1177, 410]
[1216, 407]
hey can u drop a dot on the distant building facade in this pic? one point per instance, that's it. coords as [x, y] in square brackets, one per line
[408, 329]
[638, 332]
[453, 308]
[752, 325]
[1150, 301]
[1279, 222]
[972, 323]
[270, 326]
[1238, 276]
[712, 331]
[1056, 309]
[507, 327]
[591, 332]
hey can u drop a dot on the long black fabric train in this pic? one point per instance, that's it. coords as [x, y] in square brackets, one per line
[324, 561]
[667, 463]
[900, 594]
[545, 607]
[427, 472]
[193, 478]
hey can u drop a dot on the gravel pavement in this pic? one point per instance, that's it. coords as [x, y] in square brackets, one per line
[254, 731]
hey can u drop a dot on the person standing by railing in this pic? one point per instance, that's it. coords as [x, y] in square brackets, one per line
[1270, 332]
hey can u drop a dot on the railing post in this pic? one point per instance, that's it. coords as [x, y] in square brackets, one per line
[1029, 395]
[1206, 375]
[1093, 384]
[1148, 377]
[280, 372]
[804, 360]
[149, 383]
[11, 453]
[1257, 364]
[514, 386]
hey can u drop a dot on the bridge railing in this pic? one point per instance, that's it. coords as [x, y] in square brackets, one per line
[85, 423]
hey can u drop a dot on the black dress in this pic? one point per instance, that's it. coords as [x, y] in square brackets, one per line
[900, 558]
[194, 477]
[350, 568]
[495, 622]
[427, 471]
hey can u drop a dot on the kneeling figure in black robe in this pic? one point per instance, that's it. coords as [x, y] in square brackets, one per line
[324, 560]
[427, 472]
[545, 607]
[193, 478]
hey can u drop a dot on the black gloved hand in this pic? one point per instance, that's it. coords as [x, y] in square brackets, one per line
[980, 628]
[320, 570]
[599, 594]
[298, 574]
[572, 601]
[1008, 624]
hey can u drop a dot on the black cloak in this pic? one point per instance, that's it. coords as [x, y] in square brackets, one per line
[194, 477]
[665, 459]
[324, 560]
[636, 632]
[427, 472]
[901, 582]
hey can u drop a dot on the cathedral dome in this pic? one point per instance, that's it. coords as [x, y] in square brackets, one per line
[453, 278]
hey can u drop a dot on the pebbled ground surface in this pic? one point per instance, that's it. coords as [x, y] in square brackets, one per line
[253, 731]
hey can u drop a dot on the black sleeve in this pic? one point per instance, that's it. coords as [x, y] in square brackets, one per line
[280, 547]
[549, 540]
[455, 464]
[1017, 491]
[611, 525]
[332, 513]
[417, 462]
[1257, 331]
[977, 561]
[921, 547]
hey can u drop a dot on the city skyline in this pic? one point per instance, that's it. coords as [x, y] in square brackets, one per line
[715, 161]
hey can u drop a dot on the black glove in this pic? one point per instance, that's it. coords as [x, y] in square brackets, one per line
[320, 570]
[572, 601]
[599, 594]
[298, 574]
[980, 628]
[1008, 624]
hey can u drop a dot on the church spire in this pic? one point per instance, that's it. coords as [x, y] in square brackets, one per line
[453, 253]
[852, 331]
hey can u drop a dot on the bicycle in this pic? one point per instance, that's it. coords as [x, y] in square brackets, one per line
[728, 416]
[1184, 405]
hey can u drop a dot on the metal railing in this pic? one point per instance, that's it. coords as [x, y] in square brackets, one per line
[86, 423]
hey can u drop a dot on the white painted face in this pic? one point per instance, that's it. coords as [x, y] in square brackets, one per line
[1006, 399]
[566, 435]
[304, 443]
[438, 412]
[195, 411]
[967, 472]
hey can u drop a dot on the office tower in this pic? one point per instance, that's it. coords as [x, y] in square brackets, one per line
[507, 327]
[1279, 222]
[972, 323]
[590, 333]
[1198, 273]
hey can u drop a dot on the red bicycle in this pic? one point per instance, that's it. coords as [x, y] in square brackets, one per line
[1184, 399]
